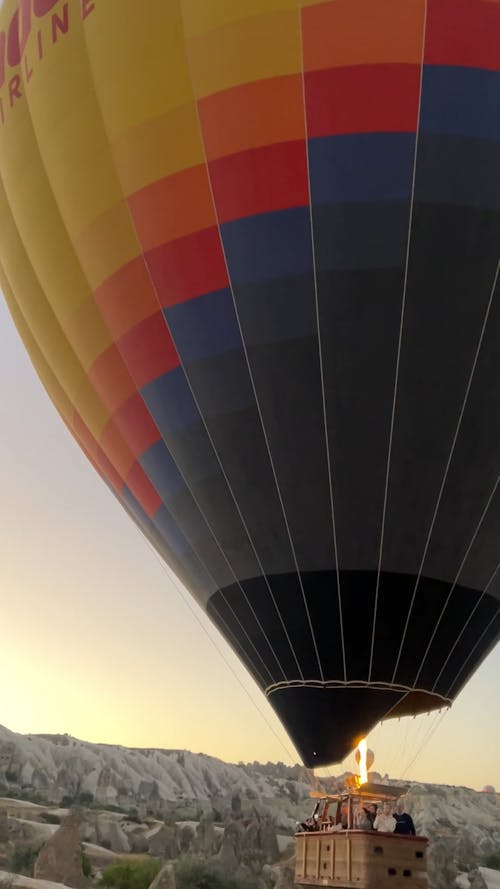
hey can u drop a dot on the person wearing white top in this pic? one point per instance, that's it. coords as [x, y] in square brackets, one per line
[385, 821]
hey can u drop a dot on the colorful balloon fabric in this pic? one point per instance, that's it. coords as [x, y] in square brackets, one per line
[252, 249]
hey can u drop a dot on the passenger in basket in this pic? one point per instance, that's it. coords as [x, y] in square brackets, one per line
[362, 819]
[385, 820]
[404, 822]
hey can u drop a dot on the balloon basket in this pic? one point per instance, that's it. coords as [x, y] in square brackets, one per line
[361, 859]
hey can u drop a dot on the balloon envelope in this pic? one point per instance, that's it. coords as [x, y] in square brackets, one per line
[252, 250]
[370, 757]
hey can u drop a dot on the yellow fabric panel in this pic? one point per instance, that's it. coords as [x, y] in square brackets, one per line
[139, 67]
[35, 221]
[49, 382]
[256, 48]
[158, 147]
[74, 148]
[39, 318]
[153, 131]
[36, 214]
[87, 333]
[108, 243]
[34, 307]
[200, 16]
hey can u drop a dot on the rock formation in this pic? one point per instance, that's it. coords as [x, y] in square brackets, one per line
[286, 874]
[165, 879]
[164, 843]
[4, 826]
[60, 858]
[206, 841]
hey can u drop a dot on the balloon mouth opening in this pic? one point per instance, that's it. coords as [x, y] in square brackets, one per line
[306, 707]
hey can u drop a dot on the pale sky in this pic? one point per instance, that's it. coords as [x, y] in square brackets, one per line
[97, 641]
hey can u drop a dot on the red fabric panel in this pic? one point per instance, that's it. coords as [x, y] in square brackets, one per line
[463, 32]
[136, 424]
[188, 267]
[260, 180]
[126, 297]
[111, 379]
[148, 350]
[362, 99]
[143, 490]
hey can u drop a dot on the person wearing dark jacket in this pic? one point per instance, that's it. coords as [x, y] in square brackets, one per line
[404, 822]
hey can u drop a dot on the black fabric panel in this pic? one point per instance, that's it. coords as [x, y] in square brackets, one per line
[224, 618]
[240, 618]
[186, 513]
[287, 377]
[218, 506]
[360, 235]
[325, 724]
[277, 310]
[288, 384]
[224, 393]
[494, 584]
[311, 713]
[323, 600]
[360, 314]
[482, 614]
[473, 473]
[451, 272]
[485, 643]
[394, 599]
[428, 605]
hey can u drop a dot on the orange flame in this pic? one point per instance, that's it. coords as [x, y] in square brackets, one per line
[363, 767]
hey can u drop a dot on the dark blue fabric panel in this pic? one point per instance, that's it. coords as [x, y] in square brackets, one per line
[171, 402]
[196, 580]
[268, 246]
[361, 167]
[161, 470]
[171, 532]
[360, 236]
[171, 543]
[162, 521]
[172, 407]
[204, 326]
[133, 505]
[456, 170]
[460, 102]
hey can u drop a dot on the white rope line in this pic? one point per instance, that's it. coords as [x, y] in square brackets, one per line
[320, 351]
[294, 556]
[394, 748]
[271, 461]
[226, 559]
[448, 463]
[471, 653]
[471, 615]
[171, 576]
[149, 538]
[462, 563]
[353, 683]
[416, 737]
[400, 342]
[188, 486]
[437, 722]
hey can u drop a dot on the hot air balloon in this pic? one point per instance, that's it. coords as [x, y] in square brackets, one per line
[252, 250]
[370, 757]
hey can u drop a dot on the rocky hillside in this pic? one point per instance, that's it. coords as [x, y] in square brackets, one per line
[62, 769]
[164, 802]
